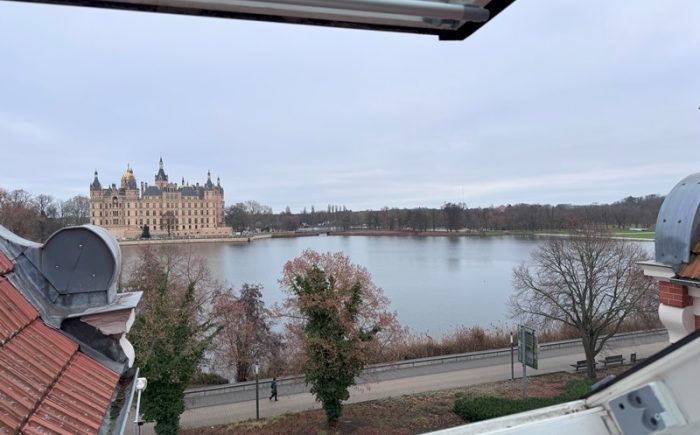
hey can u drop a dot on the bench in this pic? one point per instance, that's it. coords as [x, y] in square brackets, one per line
[581, 364]
[613, 360]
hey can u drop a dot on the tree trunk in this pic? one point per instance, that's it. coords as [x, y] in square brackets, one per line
[588, 346]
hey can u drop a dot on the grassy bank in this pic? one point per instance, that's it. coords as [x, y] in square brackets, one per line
[633, 235]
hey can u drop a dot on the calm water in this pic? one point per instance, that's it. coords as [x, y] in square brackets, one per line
[434, 283]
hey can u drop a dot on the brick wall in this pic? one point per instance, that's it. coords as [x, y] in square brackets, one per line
[675, 295]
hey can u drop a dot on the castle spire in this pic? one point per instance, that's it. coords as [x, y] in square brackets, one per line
[95, 183]
[161, 176]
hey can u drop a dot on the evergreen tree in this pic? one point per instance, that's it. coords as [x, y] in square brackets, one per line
[334, 347]
[338, 318]
[169, 334]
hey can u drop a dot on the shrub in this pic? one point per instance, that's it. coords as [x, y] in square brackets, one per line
[474, 409]
[484, 408]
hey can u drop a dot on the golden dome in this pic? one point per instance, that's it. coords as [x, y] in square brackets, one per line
[128, 173]
[128, 179]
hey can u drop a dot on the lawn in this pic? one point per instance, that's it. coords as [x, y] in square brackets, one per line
[411, 414]
[646, 235]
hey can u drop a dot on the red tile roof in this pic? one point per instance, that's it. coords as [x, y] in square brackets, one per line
[30, 364]
[15, 312]
[692, 269]
[46, 384]
[77, 402]
[5, 264]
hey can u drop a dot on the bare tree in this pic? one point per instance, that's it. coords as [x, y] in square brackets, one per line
[76, 210]
[18, 212]
[591, 283]
[246, 337]
[168, 220]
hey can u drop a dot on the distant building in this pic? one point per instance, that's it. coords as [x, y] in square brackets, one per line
[168, 209]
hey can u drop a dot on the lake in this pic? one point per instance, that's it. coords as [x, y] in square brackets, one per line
[434, 283]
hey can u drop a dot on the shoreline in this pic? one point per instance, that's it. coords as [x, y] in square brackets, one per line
[366, 233]
[231, 239]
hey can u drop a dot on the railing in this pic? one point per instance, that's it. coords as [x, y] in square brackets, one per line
[192, 395]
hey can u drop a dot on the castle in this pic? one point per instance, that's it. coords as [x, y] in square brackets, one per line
[166, 208]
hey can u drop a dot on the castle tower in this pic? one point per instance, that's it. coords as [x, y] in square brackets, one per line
[161, 176]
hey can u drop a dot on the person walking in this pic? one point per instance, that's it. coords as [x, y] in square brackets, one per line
[273, 388]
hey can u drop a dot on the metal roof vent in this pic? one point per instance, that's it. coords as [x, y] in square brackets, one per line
[678, 223]
[82, 264]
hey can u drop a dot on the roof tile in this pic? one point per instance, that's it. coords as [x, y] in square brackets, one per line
[15, 312]
[29, 364]
[78, 401]
[692, 269]
[5, 264]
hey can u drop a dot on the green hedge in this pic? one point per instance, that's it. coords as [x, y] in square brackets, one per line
[483, 408]
[200, 378]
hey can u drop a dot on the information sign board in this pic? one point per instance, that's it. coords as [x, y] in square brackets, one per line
[528, 349]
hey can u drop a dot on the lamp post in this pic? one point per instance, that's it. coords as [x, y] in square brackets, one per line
[512, 366]
[140, 386]
[256, 367]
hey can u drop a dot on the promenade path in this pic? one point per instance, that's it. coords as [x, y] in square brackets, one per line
[410, 381]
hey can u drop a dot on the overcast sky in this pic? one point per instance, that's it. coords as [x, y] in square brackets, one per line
[551, 102]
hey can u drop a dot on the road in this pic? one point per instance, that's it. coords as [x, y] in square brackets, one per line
[409, 381]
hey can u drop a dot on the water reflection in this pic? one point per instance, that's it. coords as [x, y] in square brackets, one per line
[434, 283]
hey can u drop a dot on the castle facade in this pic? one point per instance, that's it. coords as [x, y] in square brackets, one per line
[167, 209]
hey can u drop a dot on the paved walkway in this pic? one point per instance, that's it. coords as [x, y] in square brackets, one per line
[495, 369]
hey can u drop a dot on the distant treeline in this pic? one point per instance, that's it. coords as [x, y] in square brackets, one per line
[37, 217]
[630, 212]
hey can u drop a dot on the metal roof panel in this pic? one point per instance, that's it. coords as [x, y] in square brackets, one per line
[678, 223]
